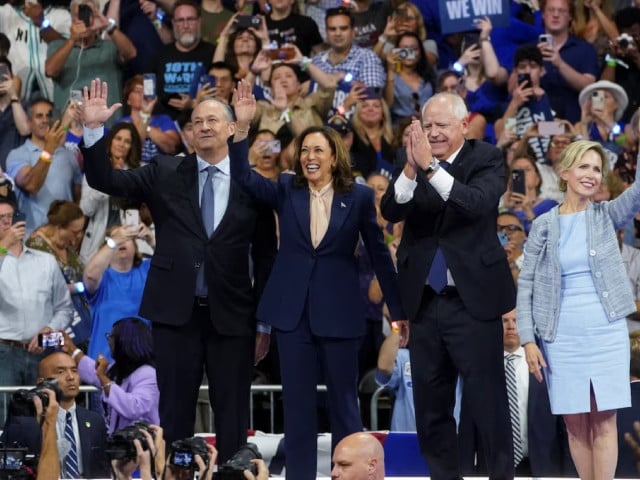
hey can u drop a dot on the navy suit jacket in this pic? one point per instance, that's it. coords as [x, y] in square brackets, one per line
[464, 227]
[322, 279]
[547, 438]
[93, 436]
[627, 467]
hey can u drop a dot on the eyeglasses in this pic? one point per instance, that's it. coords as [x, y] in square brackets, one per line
[6, 216]
[557, 144]
[183, 21]
[510, 228]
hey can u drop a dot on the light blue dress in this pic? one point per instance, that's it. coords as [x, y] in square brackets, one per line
[589, 351]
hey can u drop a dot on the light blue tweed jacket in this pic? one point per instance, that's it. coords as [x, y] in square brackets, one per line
[539, 282]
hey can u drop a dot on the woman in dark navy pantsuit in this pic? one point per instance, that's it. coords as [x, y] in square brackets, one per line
[311, 298]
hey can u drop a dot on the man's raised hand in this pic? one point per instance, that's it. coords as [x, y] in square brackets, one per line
[95, 109]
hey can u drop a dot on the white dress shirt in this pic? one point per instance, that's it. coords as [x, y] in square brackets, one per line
[522, 378]
[63, 443]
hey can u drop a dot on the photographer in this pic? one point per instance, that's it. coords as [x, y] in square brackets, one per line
[48, 463]
[81, 433]
[623, 62]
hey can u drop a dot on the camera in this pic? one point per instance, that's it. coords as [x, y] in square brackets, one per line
[21, 403]
[183, 452]
[405, 53]
[625, 41]
[16, 463]
[233, 468]
[120, 445]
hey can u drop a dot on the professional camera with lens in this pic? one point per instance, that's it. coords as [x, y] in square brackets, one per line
[120, 445]
[21, 404]
[16, 463]
[625, 41]
[183, 453]
[405, 53]
[233, 469]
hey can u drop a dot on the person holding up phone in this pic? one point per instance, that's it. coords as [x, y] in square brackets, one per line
[529, 102]
[570, 63]
[523, 192]
[603, 104]
[70, 70]
[13, 119]
[35, 299]
[156, 130]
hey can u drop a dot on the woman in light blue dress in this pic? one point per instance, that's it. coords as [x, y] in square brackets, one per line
[573, 296]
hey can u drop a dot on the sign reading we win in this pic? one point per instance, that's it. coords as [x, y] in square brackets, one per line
[460, 15]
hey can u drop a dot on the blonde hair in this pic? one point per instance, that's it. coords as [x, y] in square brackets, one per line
[574, 152]
[386, 128]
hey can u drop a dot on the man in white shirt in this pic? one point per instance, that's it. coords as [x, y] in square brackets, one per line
[539, 438]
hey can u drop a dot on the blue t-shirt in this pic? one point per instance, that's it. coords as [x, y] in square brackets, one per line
[150, 149]
[404, 412]
[117, 297]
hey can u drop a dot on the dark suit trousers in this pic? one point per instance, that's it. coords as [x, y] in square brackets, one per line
[180, 354]
[445, 339]
[304, 357]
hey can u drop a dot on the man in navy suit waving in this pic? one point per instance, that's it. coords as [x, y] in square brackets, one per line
[454, 283]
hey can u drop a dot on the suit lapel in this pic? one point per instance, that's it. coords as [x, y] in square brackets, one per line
[300, 199]
[187, 171]
[84, 432]
[233, 197]
[340, 208]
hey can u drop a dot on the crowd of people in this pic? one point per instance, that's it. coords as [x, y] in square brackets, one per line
[188, 188]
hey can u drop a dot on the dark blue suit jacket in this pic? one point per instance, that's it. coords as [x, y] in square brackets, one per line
[324, 279]
[463, 228]
[547, 438]
[627, 467]
[93, 436]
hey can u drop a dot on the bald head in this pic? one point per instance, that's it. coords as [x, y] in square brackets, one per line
[358, 456]
[62, 367]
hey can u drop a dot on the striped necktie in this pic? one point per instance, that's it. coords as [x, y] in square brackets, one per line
[512, 393]
[71, 469]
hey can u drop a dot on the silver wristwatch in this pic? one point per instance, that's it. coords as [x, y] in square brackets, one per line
[433, 166]
[111, 243]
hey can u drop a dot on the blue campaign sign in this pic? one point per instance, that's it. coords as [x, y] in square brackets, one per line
[460, 15]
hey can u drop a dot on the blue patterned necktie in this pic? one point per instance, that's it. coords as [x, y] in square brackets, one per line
[207, 200]
[512, 394]
[71, 469]
[437, 276]
[207, 210]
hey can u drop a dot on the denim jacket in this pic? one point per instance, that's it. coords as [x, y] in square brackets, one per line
[539, 282]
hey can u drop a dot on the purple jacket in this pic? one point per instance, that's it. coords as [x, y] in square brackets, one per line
[136, 399]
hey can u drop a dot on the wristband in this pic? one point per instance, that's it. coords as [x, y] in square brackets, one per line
[4, 251]
[75, 353]
[106, 385]
[14, 100]
[113, 25]
[382, 39]
[304, 63]
[45, 157]
[612, 63]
